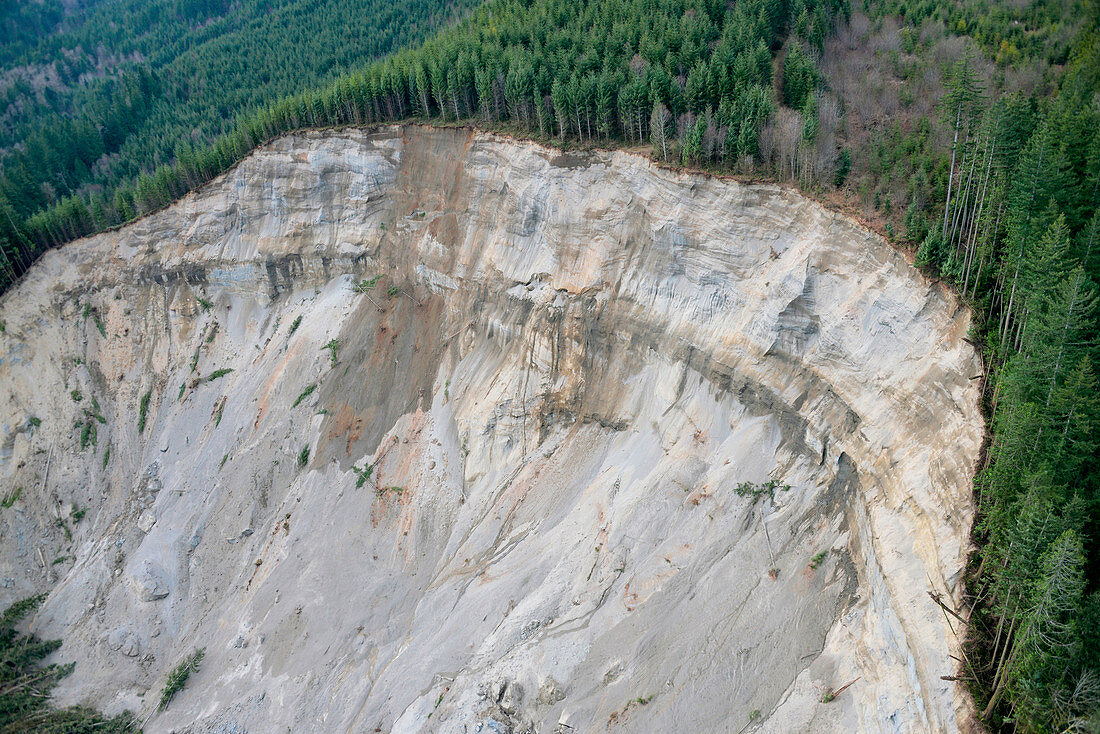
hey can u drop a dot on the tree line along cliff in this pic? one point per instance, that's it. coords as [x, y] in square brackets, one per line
[967, 130]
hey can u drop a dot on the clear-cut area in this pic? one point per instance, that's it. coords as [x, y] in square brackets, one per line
[572, 381]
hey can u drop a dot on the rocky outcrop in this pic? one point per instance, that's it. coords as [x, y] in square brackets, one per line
[603, 446]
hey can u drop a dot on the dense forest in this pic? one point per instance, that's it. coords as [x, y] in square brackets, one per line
[966, 130]
[94, 93]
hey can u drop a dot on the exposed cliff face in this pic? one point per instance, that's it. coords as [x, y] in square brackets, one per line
[568, 367]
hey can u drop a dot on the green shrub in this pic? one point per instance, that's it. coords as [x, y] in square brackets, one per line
[362, 476]
[756, 491]
[305, 394]
[11, 497]
[65, 528]
[365, 285]
[95, 412]
[143, 410]
[217, 373]
[303, 456]
[177, 679]
[332, 346]
[87, 434]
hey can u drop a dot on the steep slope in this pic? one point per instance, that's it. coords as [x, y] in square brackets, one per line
[567, 372]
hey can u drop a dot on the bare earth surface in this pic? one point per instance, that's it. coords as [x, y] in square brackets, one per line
[577, 361]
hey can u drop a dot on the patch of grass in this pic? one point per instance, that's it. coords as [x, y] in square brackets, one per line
[195, 359]
[362, 476]
[305, 394]
[217, 373]
[817, 558]
[177, 679]
[99, 325]
[218, 417]
[11, 497]
[224, 459]
[106, 457]
[332, 346]
[303, 456]
[381, 491]
[77, 396]
[87, 311]
[213, 333]
[143, 410]
[643, 700]
[393, 291]
[206, 305]
[78, 514]
[35, 421]
[60, 559]
[182, 388]
[294, 325]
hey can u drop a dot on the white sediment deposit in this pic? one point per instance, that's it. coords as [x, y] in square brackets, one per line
[567, 368]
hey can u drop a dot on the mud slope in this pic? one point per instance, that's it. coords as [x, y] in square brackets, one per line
[567, 369]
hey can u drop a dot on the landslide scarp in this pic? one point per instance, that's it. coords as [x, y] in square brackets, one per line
[572, 382]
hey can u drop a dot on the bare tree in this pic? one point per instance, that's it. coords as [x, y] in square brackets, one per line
[658, 126]
[788, 134]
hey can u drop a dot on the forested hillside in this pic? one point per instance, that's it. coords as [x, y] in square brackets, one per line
[967, 130]
[94, 93]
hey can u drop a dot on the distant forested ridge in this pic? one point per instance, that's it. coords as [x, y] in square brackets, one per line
[94, 93]
[966, 130]
[589, 70]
